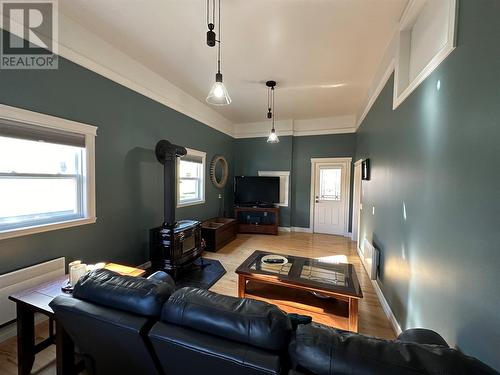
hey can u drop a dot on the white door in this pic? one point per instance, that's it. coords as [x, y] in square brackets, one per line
[329, 198]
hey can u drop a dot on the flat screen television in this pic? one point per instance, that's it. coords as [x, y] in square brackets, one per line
[253, 190]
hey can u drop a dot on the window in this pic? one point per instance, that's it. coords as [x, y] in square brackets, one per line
[284, 184]
[191, 178]
[46, 173]
[330, 184]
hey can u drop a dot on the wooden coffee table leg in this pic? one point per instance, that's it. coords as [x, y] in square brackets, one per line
[65, 352]
[241, 286]
[25, 339]
[353, 314]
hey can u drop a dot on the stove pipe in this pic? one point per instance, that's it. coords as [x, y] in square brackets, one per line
[167, 154]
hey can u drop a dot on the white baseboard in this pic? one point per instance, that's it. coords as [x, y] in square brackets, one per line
[301, 229]
[295, 229]
[284, 229]
[10, 330]
[383, 302]
[387, 309]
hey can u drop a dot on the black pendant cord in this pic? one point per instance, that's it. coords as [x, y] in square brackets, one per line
[218, 41]
[269, 113]
[272, 103]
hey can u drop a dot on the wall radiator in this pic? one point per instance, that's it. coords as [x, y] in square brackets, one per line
[23, 279]
[370, 257]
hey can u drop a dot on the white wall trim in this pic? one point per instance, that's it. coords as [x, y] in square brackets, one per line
[40, 119]
[410, 15]
[295, 229]
[347, 163]
[383, 302]
[298, 128]
[388, 63]
[46, 227]
[301, 230]
[379, 83]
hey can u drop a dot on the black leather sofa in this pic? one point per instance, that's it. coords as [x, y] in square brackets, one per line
[124, 325]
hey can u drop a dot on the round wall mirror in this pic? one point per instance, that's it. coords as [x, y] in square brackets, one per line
[219, 171]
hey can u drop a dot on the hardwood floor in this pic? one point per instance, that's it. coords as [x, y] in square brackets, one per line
[372, 320]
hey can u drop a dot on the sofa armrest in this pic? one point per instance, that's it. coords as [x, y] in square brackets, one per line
[422, 336]
[161, 276]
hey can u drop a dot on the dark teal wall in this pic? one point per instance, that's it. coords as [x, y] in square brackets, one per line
[255, 154]
[305, 148]
[437, 155]
[292, 154]
[128, 177]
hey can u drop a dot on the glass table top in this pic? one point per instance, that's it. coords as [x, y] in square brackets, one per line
[308, 272]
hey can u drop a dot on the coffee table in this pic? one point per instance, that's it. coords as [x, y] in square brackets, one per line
[328, 292]
[36, 300]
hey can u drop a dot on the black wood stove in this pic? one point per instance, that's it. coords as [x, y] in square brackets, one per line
[175, 245]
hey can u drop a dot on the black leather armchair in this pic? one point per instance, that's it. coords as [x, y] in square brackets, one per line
[109, 318]
[207, 333]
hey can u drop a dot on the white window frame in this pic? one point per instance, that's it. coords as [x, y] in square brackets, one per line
[8, 113]
[284, 180]
[201, 200]
[403, 84]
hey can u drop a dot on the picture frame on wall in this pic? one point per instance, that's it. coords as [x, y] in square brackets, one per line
[365, 169]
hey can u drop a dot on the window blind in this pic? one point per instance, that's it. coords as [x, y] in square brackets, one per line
[192, 159]
[14, 129]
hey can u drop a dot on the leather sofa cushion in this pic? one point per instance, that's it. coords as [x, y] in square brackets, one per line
[185, 351]
[110, 340]
[133, 294]
[422, 336]
[322, 350]
[244, 320]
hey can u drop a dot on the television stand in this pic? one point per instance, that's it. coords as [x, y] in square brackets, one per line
[255, 219]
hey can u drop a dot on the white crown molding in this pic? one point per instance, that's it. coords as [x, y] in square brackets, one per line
[382, 75]
[325, 125]
[85, 48]
[298, 128]
[262, 129]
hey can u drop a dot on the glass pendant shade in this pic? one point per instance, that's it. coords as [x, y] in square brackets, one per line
[218, 94]
[273, 137]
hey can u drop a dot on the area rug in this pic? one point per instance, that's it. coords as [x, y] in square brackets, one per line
[202, 274]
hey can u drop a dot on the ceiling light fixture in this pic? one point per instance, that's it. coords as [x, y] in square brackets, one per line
[273, 137]
[218, 94]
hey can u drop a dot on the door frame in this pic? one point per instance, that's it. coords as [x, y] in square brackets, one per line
[347, 162]
[357, 202]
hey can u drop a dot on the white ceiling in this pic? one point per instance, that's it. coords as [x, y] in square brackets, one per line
[323, 53]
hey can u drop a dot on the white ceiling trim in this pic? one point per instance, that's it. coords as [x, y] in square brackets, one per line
[86, 49]
[382, 75]
[317, 126]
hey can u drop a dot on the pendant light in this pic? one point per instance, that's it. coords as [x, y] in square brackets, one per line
[273, 137]
[218, 94]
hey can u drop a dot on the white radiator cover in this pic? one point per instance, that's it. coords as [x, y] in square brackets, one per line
[25, 278]
[370, 258]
